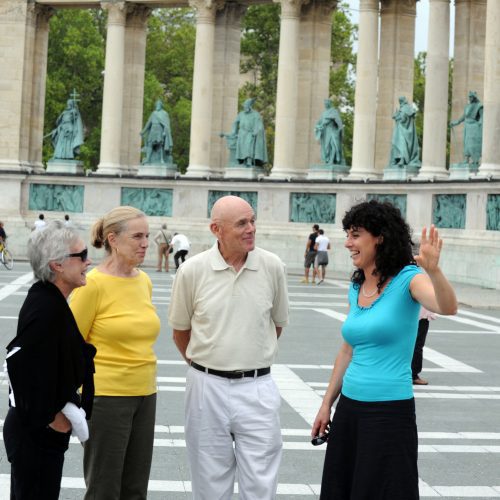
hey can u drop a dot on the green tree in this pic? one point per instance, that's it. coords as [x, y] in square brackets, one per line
[169, 73]
[76, 61]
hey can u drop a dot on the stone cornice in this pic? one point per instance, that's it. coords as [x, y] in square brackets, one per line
[406, 7]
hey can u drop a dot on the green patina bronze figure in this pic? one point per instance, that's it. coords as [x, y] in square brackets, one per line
[329, 131]
[67, 137]
[473, 130]
[157, 137]
[248, 128]
[405, 151]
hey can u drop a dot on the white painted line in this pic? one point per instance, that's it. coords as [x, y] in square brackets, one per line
[302, 398]
[315, 304]
[485, 317]
[332, 314]
[479, 324]
[15, 285]
[426, 388]
[469, 332]
[8, 317]
[446, 362]
[320, 295]
[467, 491]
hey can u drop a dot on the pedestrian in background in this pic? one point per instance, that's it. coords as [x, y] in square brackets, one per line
[40, 223]
[181, 246]
[322, 245]
[115, 312]
[418, 354]
[47, 362]
[3, 234]
[310, 255]
[228, 307]
[372, 444]
[162, 240]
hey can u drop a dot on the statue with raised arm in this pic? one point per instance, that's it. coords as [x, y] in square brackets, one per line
[329, 132]
[248, 128]
[473, 129]
[67, 136]
[405, 151]
[157, 137]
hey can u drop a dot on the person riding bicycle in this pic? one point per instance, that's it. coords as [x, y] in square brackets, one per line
[3, 235]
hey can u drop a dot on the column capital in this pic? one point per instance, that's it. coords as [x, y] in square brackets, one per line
[138, 15]
[44, 13]
[290, 9]
[117, 12]
[206, 10]
[323, 8]
[368, 5]
[408, 7]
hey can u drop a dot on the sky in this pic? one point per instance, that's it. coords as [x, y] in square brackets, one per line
[421, 23]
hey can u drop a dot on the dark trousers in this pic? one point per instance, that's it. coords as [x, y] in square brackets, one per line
[117, 457]
[371, 452]
[36, 458]
[418, 353]
[181, 254]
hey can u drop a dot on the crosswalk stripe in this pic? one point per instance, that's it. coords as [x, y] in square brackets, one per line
[15, 285]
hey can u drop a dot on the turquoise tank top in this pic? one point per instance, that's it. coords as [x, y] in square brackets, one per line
[382, 337]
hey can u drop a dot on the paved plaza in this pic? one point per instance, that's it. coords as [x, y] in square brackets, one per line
[458, 413]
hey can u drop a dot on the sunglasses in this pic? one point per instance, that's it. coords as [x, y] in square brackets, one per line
[83, 254]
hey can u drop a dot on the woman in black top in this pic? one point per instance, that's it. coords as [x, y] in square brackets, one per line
[47, 362]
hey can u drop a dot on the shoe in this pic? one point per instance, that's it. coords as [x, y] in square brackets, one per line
[313, 282]
[420, 381]
[320, 281]
[158, 270]
[304, 280]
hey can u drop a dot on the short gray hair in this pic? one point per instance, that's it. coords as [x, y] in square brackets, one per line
[51, 244]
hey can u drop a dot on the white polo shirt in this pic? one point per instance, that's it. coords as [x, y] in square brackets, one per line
[232, 316]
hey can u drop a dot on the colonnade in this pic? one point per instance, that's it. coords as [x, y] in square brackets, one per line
[384, 72]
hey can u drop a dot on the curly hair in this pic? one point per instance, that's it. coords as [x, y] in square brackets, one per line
[395, 250]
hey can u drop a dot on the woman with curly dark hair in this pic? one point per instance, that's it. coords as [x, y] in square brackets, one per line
[372, 442]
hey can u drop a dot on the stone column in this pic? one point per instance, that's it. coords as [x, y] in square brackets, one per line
[363, 154]
[490, 165]
[436, 92]
[287, 92]
[397, 54]
[112, 102]
[203, 84]
[314, 78]
[226, 78]
[17, 34]
[133, 92]
[468, 64]
[43, 15]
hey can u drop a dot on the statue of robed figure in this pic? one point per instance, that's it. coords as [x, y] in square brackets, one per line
[157, 137]
[248, 128]
[329, 131]
[405, 151]
[67, 136]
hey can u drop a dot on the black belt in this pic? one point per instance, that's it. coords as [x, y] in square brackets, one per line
[258, 372]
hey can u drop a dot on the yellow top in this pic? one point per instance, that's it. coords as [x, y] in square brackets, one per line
[117, 316]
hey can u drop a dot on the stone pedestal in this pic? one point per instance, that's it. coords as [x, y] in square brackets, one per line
[400, 173]
[167, 170]
[462, 171]
[323, 172]
[249, 173]
[65, 167]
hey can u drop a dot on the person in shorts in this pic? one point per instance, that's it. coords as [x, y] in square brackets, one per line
[310, 255]
[321, 246]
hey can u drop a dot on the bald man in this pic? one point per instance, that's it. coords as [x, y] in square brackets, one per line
[227, 309]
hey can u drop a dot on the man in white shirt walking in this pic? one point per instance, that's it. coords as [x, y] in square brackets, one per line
[181, 246]
[322, 245]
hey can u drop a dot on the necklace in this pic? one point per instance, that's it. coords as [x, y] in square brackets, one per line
[368, 295]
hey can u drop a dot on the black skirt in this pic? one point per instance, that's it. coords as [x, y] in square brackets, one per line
[372, 452]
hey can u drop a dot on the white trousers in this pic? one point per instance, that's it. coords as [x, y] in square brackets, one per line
[232, 425]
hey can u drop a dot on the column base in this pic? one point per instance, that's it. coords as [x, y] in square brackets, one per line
[286, 174]
[202, 172]
[16, 166]
[114, 169]
[400, 173]
[65, 167]
[462, 171]
[489, 171]
[428, 173]
[364, 175]
[239, 172]
[324, 172]
[168, 170]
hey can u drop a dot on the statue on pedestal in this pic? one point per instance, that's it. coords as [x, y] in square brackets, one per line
[405, 151]
[329, 132]
[157, 137]
[473, 130]
[67, 137]
[248, 128]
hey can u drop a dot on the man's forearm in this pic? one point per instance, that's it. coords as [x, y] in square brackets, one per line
[181, 339]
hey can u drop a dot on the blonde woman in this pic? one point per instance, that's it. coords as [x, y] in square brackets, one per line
[114, 312]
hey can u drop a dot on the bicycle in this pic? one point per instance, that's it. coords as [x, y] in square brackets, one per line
[6, 257]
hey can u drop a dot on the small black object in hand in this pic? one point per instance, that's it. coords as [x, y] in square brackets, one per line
[316, 441]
